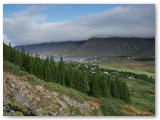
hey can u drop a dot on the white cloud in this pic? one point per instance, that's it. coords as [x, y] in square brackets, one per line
[30, 27]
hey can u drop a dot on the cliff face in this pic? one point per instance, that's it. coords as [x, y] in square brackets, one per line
[22, 97]
[96, 47]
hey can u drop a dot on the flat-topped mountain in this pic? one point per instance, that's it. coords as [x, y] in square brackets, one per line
[115, 46]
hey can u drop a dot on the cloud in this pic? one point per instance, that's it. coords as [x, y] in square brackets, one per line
[6, 40]
[30, 26]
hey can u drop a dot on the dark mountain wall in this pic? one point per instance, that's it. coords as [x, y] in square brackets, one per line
[96, 47]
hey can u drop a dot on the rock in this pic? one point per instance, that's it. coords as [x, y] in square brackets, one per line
[12, 112]
[52, 113]
[12, 84]
[39, 88]
[63, 112]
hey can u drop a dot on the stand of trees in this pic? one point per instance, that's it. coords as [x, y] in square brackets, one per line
[124, 74]
[93, 84]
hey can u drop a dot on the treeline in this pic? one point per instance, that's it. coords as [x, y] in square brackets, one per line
[119, 74]
[138, 76]
[124, 74]
[144, 59]
[66, 74]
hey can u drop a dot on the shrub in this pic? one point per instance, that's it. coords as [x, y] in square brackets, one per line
[112, 107]
[34, 80]
[19, 114]
[11, 96]
[74, 111]
[19, 107]
[8, 66]
[79, 96]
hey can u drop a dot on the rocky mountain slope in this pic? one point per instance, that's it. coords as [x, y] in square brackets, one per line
[36, 100]
[115, 46]
[25, 94]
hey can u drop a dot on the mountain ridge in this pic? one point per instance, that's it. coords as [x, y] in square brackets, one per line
[115, 46]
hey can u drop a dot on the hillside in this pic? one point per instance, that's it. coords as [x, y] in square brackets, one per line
[25, 94]
[115, 46]
[33, 86]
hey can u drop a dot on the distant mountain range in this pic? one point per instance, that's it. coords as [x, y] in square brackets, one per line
[114, 46]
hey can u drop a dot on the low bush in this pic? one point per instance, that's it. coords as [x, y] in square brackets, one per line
[12, 68]
[79, 96]
[112, 107]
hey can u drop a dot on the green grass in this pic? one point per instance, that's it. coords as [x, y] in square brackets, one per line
[138, 71]
[21, 109]
[140, 67]
[74, 111]
[40, 112]
[11, 96]
[34, 80]
[78, 96]
[12, 68]
[112, 107]
[19, 114]
[142, 94]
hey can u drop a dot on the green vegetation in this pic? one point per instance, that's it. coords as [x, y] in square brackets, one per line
[130, 75]
[145, 59]
[75, 111]
[40, 112]
[51, 86]
[8, 66]
[134, 66]
[142, 94]
[78, 96]
[11, 96]
[19, 114]
[34, 80]
[114, 89]
[19, 108]
[112, 107]
[90, 83]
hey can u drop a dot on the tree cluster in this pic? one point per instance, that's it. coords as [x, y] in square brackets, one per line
[66, 74]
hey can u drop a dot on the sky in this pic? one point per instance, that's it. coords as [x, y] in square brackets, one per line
[25, 24]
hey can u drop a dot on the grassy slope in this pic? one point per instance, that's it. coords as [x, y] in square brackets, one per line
[80, 97]
[141, 67]
[58, 94]
[142, 95]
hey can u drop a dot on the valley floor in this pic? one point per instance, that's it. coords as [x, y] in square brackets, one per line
[140, 67]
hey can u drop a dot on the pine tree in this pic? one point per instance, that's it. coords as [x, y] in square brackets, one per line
[96, 85]
[61, 69]
[105, 92]
[94, 88]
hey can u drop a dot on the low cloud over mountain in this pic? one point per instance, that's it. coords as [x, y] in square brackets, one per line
[30, 26]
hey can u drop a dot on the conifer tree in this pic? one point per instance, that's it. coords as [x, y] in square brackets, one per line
[105, 92]
[96, 85]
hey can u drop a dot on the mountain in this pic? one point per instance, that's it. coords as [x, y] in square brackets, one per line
[115, 46]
